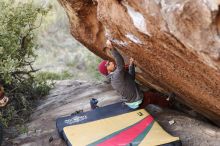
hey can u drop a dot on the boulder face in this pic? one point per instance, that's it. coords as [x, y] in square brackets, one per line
[175, 44]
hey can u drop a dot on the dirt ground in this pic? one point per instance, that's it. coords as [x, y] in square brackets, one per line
[69, 96]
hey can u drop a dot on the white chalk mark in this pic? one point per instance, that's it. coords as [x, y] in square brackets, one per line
[171, 7]
[133, 38]
[137, 18]
[211, 4]
[121, 43]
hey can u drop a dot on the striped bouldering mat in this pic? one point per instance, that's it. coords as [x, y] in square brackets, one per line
[114, 125]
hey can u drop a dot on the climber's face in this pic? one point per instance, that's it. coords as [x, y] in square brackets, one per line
[110, 66]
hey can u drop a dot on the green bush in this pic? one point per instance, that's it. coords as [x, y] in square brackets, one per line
[54, 76]
[18, 28]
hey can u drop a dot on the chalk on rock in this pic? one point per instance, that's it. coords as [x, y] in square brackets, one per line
[171, 122]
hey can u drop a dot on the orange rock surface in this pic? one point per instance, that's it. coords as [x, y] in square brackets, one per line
[176, 44]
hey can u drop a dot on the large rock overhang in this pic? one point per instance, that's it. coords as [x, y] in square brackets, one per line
[176, 44]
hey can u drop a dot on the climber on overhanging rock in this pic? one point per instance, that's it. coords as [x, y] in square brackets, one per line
[123, 81]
